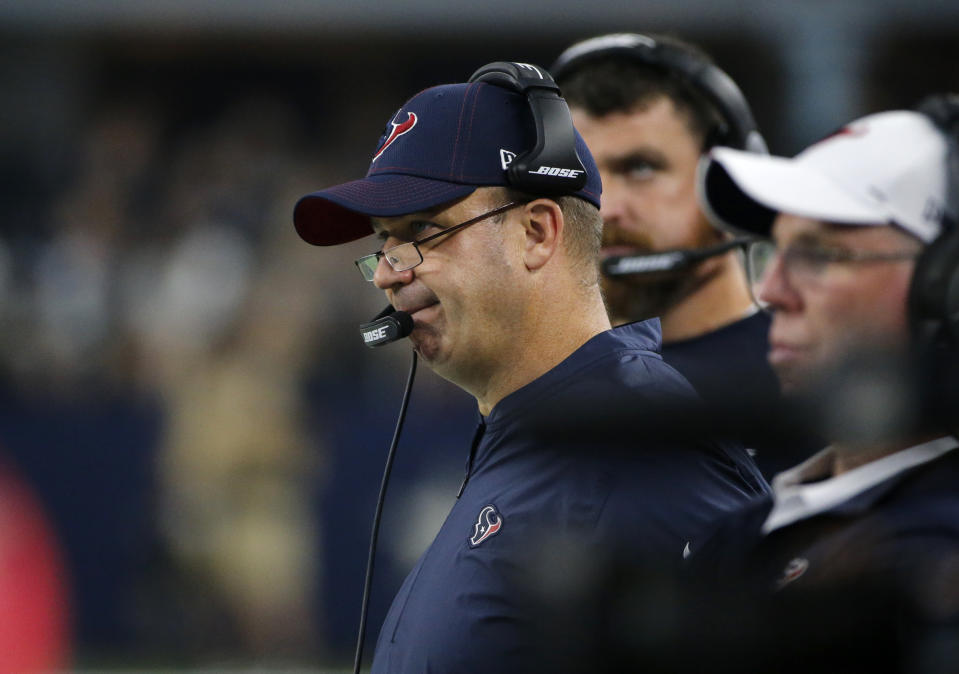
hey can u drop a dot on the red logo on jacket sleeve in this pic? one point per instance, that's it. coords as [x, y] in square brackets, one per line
[793, 570]
[398, 130]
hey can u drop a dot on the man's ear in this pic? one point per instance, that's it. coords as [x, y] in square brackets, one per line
[544, 223]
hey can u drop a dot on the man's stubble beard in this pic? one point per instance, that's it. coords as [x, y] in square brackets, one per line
[643, 296]
[647, 296]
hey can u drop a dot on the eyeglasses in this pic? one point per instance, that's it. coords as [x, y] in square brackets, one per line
[408, 255]
[803, 264]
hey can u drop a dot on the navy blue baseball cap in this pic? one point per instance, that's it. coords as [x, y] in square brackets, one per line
[439, 147]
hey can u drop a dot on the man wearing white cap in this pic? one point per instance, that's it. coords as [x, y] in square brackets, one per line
[865, 257]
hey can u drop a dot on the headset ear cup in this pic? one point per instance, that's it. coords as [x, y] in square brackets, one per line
[553, 165]
[934, 293]
[697, 71]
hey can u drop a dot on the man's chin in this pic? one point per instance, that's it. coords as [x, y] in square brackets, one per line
[797, 379]
[427, 345]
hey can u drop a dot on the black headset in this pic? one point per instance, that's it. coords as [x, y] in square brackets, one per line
[934, 290]
[738, 128]
[552, 167]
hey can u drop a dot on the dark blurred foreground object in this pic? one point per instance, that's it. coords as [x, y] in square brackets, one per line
[869, 584]
[34, 615]
[869, 397]
[632, 619]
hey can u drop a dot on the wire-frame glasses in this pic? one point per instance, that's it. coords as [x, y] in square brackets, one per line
[408, 255]
[803, 264]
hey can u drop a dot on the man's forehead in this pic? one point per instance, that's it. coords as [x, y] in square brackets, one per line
[656, 130]
[641, 111]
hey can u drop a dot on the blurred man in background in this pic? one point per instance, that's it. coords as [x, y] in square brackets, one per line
[864, 262]
[648, 107]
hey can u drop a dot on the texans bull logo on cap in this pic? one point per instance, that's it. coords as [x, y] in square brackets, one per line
[398, 130]
[440, 146]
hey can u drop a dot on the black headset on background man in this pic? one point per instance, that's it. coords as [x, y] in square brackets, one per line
[738, 128]
[934, 291]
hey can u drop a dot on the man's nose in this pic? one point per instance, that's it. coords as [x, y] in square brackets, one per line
[612, 204]
[774, 287]
[385, 276]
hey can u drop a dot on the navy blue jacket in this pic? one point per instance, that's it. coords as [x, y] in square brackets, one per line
[893, 529]
[730, 364]
[532, 510]
[869, 584]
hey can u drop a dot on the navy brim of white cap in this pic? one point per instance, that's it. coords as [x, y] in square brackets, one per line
[743, 192]
[342, 213]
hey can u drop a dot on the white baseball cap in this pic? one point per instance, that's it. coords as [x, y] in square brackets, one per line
[884, 169]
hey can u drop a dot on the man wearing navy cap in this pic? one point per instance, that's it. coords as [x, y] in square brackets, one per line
[484, 202]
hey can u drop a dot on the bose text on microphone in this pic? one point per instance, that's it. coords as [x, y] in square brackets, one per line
[388, 326]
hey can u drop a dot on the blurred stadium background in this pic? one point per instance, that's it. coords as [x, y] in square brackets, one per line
[183, 390]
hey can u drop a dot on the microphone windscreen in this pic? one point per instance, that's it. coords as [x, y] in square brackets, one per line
[388, 326]
[404, 323]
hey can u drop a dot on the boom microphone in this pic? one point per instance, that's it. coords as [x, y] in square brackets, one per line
[670, 260]
[387, 326]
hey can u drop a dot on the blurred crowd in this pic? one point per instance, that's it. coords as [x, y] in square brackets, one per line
[167, 393]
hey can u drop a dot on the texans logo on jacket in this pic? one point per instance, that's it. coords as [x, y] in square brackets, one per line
[487, 524]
